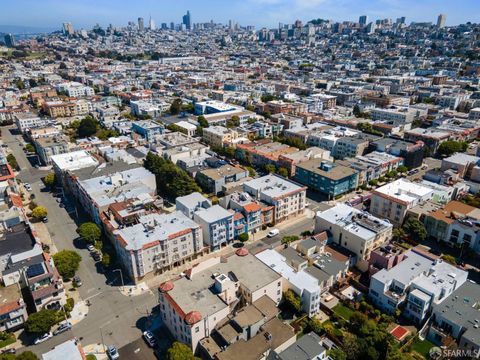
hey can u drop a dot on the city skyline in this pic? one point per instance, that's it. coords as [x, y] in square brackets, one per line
[50, 14]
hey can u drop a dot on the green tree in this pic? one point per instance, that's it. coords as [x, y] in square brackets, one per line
[337, 354]
[415, 229]
[41, 321]
[30, 148]
[289, 239]
[402, 169]
[292, 300]
[202, 121]
[27, 355]
[39, 212]
[180, 351]
[449, 259]
[176, 106]
[398, 233]
[90, 232]
[315, 325]
[451, 147]
[270, 168]
[251, 171]
[67, 263]
[235, 120]
[373, 182]
[50, 179]
[282, 172]
[243, 237]
[12, 161]
[88, 127]
[172, 181]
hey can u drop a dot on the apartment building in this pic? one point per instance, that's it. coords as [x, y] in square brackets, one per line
[13, 310]
[193, 305]
[263, 152]
[431, 137]
[154, 242]
[418, 282]
[75, 89]
[290, 161]
[248, 216]
[216, 224]
[26, 121]
[392, 201]
[215, 180]
[48, 146]
[330, 179]
[354, 230]
[64, 164]
[287, 197]
[59, 109]
[219, 136]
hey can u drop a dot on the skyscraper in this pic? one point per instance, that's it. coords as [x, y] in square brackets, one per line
[68, 28]
[441, 20]
[141, 25]
[362, 20]
[187, 21]
[9, 40]
[151, 24]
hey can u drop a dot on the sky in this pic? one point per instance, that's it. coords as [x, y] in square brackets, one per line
[86, 13]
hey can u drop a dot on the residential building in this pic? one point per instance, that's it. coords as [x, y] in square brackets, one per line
[75, 89]
[418, 282]
[63, 164]
[290, 161]
[193, 305]
[287, 197]
[219, 136]
[326, 177]
[463, 164]
[13, 310]
[392, 201]
[349, 147]
[248, 216]
[307, 347]
[263, 152]
[189, 204]
[154, 242]
[48, 146]
[354, 230]
[148, 129]
[70, 349]
[216, 224]
[412, 153]
[26, 121]
[214, 180]
[431, 137]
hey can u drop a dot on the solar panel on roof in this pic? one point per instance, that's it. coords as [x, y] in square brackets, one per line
[35, 270]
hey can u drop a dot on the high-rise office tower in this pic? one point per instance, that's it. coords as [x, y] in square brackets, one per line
[68, 28]
[441, 20]
[172, 26]
[151, 24]
[141, 25]
[9, 40]
[362, 20]
[187, 20]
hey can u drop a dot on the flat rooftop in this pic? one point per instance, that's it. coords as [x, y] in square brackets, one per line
[74, 160]
[404, 190]
[272, 186]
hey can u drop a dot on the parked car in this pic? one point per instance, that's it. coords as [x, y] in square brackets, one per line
[112, 352]
[91, 248]
[45, 220]
[149, 338]
[62, 328]
[77, 281]
[43, 338]
[9, 351]
[27, 186]
[273, 232]
[97, 256]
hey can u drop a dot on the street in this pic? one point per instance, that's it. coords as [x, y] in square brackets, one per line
[111, 314]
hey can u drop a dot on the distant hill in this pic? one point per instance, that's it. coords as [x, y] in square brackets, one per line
[18, 29]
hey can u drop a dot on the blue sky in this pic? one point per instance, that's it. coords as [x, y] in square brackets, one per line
[86, 13]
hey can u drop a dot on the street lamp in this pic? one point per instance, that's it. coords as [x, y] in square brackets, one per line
[121, 276]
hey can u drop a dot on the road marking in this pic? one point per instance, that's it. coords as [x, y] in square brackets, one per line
[91, 297]
[90, 290]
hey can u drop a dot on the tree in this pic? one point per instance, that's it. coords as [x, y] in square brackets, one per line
[67, 263]
[30, 148]
[270, 168]
[41, 322]
[337, 354]
[450, 147]
[12, 161]
[292, 300]
[88, 127]
[289, 239]
[90, 232]
[398, 233]
[180, 351]
[373, 182]
[315, 325]
[351, 346]
[449, 259]
[282, 172]
[415, 229]
[202, 121]
[402, 169]
[251, 171]
[27, 355]
[243, 237]
[50, 179]
[176, 106]
[40, 212]
[235, 120]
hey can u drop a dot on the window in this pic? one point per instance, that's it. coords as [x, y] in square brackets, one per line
[197, 329]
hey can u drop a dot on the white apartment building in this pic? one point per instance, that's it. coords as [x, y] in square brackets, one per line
[355, 230]
[75, 89]
[219, 135]
[217, 226]
[194, 304]
[156, 242]
[419, 281]
[287, 197]
[26, 121]
[397, 115]
[394, 199]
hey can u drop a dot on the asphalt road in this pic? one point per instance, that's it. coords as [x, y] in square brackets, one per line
[113, 316]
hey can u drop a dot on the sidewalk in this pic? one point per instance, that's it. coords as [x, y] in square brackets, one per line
[135, 290]
[44, 236]
[79, 312]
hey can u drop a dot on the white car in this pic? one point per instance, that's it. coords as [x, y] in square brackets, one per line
[27, 186]
[112, 353]
[90, 247]
[43, 338]
[273, 232]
